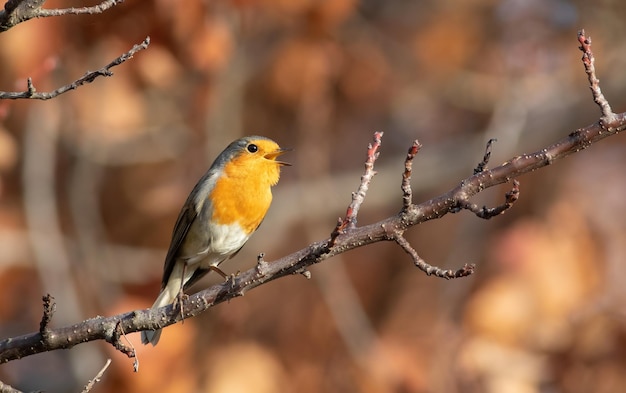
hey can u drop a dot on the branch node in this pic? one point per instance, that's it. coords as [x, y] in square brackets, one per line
[30, 87]
[262, 266]
[340, 229]
[117, 343]
[231, 281]
[487, 213]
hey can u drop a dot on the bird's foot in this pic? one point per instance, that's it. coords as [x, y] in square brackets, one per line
[178, 303]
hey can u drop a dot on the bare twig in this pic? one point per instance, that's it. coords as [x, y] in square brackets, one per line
[31, 92]
[359, 196]
[407, 192]
[465, 271]
[97, 378]
[483, 164]
[49, 307]
[590, 69]
[349, 221]
[18, 11]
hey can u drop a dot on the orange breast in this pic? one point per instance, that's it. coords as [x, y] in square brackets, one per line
[243, 194]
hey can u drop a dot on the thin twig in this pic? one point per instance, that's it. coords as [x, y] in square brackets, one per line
[129, 349]
[349, 221]
[97, 378]
[588, 61]
[18, 11]
[483, 164]
[359, 196]
[465, 271]
[96, 9]
[407, 192]
[31, 92]
[49, 307]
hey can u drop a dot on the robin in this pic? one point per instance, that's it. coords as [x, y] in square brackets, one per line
[223, 210]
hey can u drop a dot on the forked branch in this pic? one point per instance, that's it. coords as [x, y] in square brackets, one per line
[32, 93]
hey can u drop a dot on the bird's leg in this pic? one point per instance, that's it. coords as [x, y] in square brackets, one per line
[219, 271]
[178, 301]
[228, 278]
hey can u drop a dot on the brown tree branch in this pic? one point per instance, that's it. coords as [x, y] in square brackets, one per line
[18, 11]
[32, 93]
[112, 329]
[390, 229]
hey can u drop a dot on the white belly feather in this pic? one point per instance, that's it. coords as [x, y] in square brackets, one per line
[223, 242]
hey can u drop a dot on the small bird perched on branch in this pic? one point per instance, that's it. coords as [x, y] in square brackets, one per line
[224, 209]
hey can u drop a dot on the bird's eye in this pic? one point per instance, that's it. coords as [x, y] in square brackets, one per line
[252, 148]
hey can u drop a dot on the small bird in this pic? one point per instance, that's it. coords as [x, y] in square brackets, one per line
[223, 210]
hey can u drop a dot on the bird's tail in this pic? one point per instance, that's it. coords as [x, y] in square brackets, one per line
[152, 336]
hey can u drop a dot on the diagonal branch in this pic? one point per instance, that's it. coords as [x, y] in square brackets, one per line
[112, 328]
[104, 328]
[89, 77]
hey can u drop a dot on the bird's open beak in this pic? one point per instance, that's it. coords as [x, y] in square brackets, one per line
[276, 153]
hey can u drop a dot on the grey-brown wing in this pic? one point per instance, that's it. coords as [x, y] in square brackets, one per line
[186, 217]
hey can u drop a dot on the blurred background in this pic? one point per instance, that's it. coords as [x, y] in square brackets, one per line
[92, 182]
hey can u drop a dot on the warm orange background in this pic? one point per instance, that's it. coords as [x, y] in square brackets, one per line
[91, 184]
